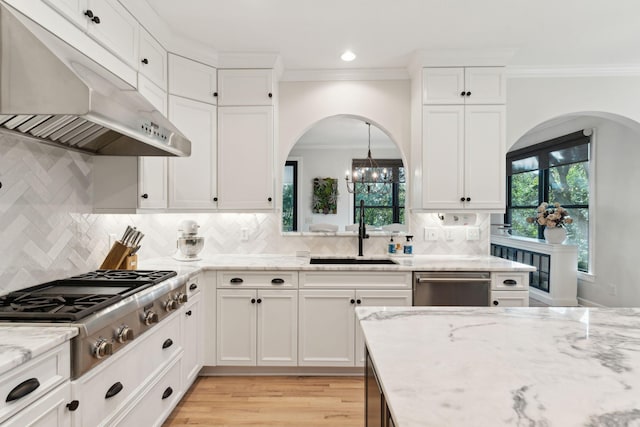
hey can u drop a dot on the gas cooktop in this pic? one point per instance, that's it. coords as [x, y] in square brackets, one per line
[79, 296]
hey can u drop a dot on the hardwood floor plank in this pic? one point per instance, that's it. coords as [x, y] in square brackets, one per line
[272, 401]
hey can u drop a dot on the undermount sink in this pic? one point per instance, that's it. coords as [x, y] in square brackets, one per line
[352, 261]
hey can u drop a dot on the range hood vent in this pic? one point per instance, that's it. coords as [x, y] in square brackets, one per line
[52, 92]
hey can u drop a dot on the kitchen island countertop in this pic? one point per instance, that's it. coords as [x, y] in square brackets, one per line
[506, 366]
[21, 343]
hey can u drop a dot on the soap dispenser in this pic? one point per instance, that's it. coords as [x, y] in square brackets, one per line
[408, 246]
[392, 246]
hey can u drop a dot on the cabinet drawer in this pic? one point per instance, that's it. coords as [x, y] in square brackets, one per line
[49, 370]
[258, 279]
[129, 372]
[193, 286]
[509, 299]
[510, 281]
[49, 411]
[355, 279]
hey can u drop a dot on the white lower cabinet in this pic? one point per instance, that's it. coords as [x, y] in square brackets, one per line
[329, 331]
[510, 298]
[256, 327]
[48, 411]
[193, 336]
[509, 289]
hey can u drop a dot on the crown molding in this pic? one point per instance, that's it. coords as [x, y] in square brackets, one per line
[345, 74]
[515, 72]
[460, 58]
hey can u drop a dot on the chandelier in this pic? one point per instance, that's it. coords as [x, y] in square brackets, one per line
[367, 176]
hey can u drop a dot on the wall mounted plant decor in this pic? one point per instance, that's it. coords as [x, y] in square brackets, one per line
[325, 195]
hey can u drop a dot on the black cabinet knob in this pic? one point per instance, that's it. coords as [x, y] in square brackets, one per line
[145, 196]
[215, 94]
[215, 199]
[358, 301]
[353, 301]
[462, 199]
[188, 313]
[253, 300]
[73, 405]
[462, 93]
[0, 185]
[468, 93]
[269, 199]
[145, 61]
[95, 19]
[495, 302]
[468, 199]
[270, 95]
[259, 300]
[88, 13]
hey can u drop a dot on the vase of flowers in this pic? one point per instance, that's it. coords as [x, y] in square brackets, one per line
[553, 218]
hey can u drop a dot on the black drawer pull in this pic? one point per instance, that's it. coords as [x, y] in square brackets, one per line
[510, 282]
[168, 343]
[188, 313]
[168, 392]
[73, 405]
[236, 280]
[113, 390]
[193, 287]
[495, 302]
[277, 281]
[22, 389]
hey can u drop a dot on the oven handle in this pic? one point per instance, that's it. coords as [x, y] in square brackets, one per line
[23, 389]
[113, 390]
[452, 279]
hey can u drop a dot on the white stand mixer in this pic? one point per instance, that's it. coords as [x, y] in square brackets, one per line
[189, 243]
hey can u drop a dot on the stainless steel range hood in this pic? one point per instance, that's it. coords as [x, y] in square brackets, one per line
[52, 92]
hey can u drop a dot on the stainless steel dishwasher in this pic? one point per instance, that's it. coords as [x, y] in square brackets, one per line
[461, 288]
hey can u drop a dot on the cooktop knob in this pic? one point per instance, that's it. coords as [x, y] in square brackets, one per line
[102, 348]
[150, 317]
[181, 298]
[124, 334]
[171, 305]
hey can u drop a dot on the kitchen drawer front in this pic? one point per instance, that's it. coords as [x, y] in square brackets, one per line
[356, 279]
[193, 285]
[510, 281]
[128, 371]
[49, 369]
[49, 411]
[155, 405]
[258, 279]
[509, 299]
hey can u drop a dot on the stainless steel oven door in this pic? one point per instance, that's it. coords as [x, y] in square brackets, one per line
[451, 288]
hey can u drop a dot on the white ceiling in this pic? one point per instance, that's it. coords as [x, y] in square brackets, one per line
[311, 34]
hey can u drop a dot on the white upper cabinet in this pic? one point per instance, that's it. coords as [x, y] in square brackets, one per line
[73, 10]
[152, 182]
[192, 180]
[192, 79]
[153, 93]
[153, 60]
[245, 87]
[459, 85]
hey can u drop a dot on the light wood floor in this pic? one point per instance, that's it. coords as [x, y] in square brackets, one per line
[272, 401]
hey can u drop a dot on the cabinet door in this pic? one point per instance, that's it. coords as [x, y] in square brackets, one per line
[236, 327]
[277, 327]
[510, 298]
[484, 161]
[152, 182]
[192, 182]
[153, 60]
[443, 85]
[245, 87]
[326, 328]
[486, 85]
[245, 157]
[379, 298]
[117, 29]
[442, 157]
[192, 331]
[73, 10]
[192, 79]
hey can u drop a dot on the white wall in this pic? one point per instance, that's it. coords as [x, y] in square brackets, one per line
[617, 150]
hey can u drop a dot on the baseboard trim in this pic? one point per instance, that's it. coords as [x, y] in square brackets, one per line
[281, 370]
[587, 303]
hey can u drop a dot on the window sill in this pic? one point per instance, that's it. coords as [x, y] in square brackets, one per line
[586, 277]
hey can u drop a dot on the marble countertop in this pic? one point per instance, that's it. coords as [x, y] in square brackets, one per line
[284, 262]
[507, 367]
[19, 344]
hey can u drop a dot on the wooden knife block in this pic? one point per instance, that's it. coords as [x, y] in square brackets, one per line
[129, 263]
[116, 256]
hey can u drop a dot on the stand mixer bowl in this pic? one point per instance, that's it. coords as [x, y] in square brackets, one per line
[190, 246]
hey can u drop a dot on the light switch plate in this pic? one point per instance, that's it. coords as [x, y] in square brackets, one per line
[430, 233]
[473, 233]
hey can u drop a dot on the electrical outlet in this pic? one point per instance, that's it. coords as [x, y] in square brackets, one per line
[244, 234]
[448, 234]
[430, 233]
[473, 233]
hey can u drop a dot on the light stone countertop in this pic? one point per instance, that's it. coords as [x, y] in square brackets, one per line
[19, 344]
[284, 262]
[507, 366]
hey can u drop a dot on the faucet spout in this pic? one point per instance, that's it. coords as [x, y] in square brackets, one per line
[362, 229]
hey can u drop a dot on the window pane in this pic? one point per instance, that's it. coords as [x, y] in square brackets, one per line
[376, 216]
[524, 165]
[524, 189]
[569, 184]
[288, 200]
[374, 194]
[578, 233]
[402, 192]
[579, 153]
[519, 224]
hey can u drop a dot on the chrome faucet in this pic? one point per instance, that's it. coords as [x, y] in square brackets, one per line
[362, 229]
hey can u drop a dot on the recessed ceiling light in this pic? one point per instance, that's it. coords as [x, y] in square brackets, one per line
[348, 56]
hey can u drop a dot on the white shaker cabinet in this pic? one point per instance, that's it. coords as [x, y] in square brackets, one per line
[152, 182]
[463, 157]
[245, 87]
[257, 327]
[152, 60]
[192, 79]
[245, 158]
[193, 335]
[73, 10]
[463, 85]
[115, 28]
[192, 180]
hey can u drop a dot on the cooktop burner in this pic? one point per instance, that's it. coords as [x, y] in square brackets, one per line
[77, 297]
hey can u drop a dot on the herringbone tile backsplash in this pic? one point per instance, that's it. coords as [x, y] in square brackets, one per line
[48, 230]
